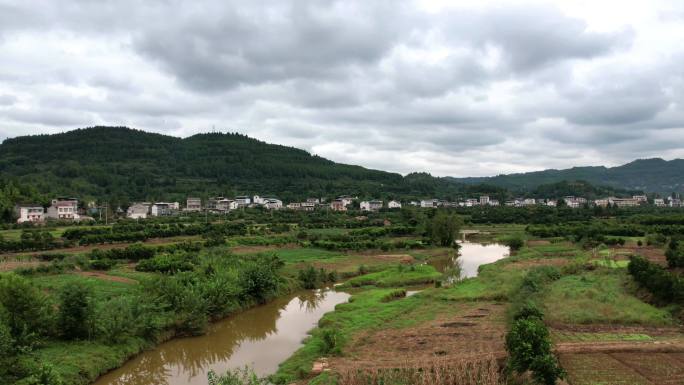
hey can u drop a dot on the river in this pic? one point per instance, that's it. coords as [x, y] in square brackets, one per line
[261, 338]
[267, 335]
[465, 262]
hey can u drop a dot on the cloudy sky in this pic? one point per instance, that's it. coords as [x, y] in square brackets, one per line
[462, 88]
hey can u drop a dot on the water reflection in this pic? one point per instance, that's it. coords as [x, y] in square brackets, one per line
[465, 262]
[261, 337]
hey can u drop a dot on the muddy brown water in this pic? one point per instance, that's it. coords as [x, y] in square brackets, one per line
[261, 338]
[470, 256]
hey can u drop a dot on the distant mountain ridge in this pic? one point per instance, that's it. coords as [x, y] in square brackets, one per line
[123, 164]
[650, 175]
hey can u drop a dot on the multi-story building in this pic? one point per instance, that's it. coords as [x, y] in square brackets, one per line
[623, 202]
[138, 210]
[272, 203]
[29, 213]
[394, 204]
[484, 200]
[193, 204]
[660, 202]
[243, 200]
[160, 209]
[371, 205]
[338, 205]
[63, 208]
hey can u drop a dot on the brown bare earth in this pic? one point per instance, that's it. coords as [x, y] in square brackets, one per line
[106, 277]
[476, 333]
[653, 254]
[539, 242]
[624, 368]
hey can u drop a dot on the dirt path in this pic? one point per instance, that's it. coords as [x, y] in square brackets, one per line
[82, 249]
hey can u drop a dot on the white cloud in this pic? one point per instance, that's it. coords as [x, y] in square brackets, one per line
[454, 88]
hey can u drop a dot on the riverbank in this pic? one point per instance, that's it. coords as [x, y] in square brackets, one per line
[589, 310]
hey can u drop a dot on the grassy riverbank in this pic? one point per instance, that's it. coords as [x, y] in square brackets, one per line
[587, 305]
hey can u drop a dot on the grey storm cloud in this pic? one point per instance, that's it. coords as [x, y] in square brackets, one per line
[475, 88]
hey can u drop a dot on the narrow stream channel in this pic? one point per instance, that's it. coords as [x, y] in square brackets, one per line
[262, 338]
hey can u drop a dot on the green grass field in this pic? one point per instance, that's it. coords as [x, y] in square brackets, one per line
[604, 297]
[397, 276]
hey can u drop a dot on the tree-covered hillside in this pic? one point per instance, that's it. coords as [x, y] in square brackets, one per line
[651, 175]
[121, 165]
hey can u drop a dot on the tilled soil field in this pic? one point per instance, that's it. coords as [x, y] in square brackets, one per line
[475, 333]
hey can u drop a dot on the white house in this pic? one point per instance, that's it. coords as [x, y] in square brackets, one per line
[258, 200]
[529, 202]
[30, 213]
[551, 203]
[272, 203]
[394, 204]
[660, 202]
[640, 198]
[429, 203]
[371, 205]
[484, 200]
[160, 209]
[138, 211]
[308, 206]
[346, 199]
[193, 204]
[493, 202]
[63, 208]
[471, 202]
[243, 200]
[338, 205]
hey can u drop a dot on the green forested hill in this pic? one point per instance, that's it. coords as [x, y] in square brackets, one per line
[650, 175]
[121, 165]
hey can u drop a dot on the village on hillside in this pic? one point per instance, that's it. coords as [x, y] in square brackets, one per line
[67, 208]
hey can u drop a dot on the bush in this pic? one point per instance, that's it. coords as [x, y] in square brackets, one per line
[331, 340]
[27, 311]
[529, 348]
[515, 243]
[236, 377]
[76, 313]
[102, 264]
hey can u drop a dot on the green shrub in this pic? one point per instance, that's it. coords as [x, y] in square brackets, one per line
[330, 341]
[76, 313]
[27, 311]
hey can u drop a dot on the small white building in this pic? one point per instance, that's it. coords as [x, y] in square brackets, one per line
[272, 203]
[429, 203]
[640, 198]
[394, 204]
[371, 205]
[243, 200]
[257, 200]
[601, 202]
[138, 211]
[484, 200]
[308, 206]
[529, 202]
[338, 205]
[660, 202]
[193, 204]
[493, 202]
[471, 202]
[30, 213]
[63, 208]
[160, 209]
[294, 206]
